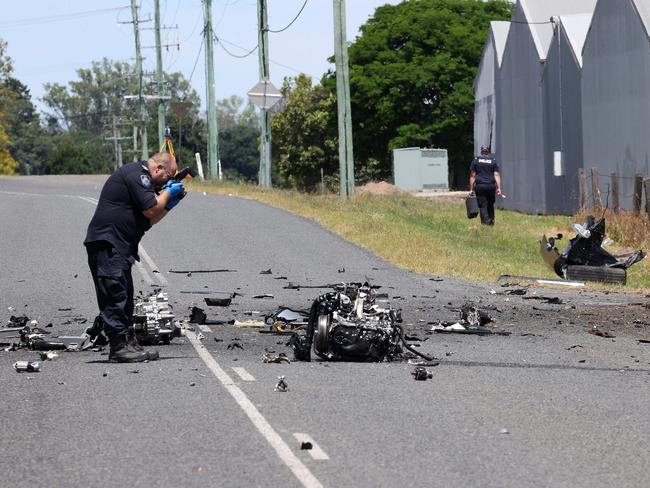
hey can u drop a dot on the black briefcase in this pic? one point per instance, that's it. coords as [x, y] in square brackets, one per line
[471, 204]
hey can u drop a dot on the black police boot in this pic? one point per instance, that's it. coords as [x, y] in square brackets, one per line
[133, 341]
[122, 352]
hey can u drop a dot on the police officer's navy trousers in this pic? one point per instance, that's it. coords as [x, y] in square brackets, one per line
[114, 287]
[486, 195]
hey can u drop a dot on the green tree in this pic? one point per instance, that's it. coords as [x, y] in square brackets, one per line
[238, 138]
[84, 110]
[8, 164]
[411, 78]
[304, 134]
[30, 142]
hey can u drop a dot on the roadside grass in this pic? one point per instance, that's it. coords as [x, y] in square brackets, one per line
[437, 238]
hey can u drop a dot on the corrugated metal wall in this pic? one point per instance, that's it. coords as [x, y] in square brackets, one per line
[484, 98]
[616, 95]
[562, 125]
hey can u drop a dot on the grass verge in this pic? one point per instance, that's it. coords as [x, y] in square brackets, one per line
[436, 238]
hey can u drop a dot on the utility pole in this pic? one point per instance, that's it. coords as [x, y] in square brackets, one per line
[213, 153]
[346, 159]
[265, 116]
[138, 67]
[159, 77]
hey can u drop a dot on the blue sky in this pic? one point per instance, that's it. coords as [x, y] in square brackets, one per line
[49, 40]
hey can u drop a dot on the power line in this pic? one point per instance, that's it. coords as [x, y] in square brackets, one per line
[57, 18]
[196, 61]
[231, 54]
[290, 23]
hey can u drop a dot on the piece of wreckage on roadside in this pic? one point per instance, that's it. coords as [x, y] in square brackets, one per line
[584, 258]
[347, 324]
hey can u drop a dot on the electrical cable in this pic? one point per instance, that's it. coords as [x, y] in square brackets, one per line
[231, 54]
[57, 18]
[290, 23]
[196, 61]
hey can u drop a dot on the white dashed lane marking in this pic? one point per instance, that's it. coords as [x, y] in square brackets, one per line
[316, 452]
[243, 374]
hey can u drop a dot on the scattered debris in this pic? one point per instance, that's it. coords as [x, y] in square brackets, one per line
[234, 345]
[306, 445]
[264, 295]
[644, 341]
[575, 346]
[474, 316]
[504, 431]
[266, 271]
[550, 300]
[218, 302]
[600, 332]
[190, 272]
[198, 316]
[192, 383]
[421, 374]
[27, 366]
[280, 358]
[281, 385]
[48, 356]
[249, 323]
[509, 280]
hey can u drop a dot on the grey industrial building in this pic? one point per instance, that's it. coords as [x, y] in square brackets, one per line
[568, 89]
[616, 92]
[522, 141]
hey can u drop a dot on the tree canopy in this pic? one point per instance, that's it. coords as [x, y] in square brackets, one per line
[411, 77]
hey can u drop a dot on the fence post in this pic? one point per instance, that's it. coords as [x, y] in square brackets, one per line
[582, 188]
[616, 203]
[638, 190]
[646, 184]
[595, 190]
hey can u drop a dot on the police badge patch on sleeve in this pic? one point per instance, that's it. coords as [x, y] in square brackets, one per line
[146, 181]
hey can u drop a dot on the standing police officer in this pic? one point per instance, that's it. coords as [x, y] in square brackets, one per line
[135, 197]
[485, 182]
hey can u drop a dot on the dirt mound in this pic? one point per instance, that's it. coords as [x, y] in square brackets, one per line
[379, 188]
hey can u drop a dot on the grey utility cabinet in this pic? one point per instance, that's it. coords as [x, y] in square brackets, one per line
[420, 169]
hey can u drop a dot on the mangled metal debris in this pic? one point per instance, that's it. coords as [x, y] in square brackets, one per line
[273, 358]
[281, 385]
[584, 257]
[472, 321]
[347, 325]
[27, 366]
[153, 320]
[420, 373]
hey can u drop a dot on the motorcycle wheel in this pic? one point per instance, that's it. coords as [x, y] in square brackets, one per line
[321, 339]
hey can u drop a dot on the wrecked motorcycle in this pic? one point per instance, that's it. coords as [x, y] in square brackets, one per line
[346, 324]
[584, 257]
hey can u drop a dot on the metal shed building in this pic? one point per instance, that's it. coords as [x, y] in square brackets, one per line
[521, 133]
[563, 114]
[486, 87]
[616, 92]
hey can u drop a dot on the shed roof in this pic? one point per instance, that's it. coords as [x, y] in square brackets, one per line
[576, 28]
[500, 30]
[538, 14]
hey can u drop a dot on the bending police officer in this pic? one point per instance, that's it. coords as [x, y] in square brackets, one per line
[485, 182]
[135, 197]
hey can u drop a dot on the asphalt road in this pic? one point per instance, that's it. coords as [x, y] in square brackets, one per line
[548, 405]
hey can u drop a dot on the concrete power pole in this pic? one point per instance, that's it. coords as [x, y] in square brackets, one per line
[138, 67]
[159, 78]
[346, 159]
[265, 116]
[213, 153]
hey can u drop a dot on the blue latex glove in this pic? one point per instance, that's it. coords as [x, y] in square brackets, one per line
[175, 188]
[173, 201]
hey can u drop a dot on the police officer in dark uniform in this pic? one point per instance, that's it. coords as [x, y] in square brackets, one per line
[485, 182]
[134, 198]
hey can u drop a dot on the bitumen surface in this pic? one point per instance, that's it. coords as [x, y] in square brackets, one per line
[550, 404]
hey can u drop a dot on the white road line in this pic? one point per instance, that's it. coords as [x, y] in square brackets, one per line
[283, 451]
[316, 452]
[204, 328]
[243, 374]
[143, 271]
[91, 200]
[151, 264]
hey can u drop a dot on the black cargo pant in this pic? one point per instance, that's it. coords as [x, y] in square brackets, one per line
[114, 288]
[485, 195]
